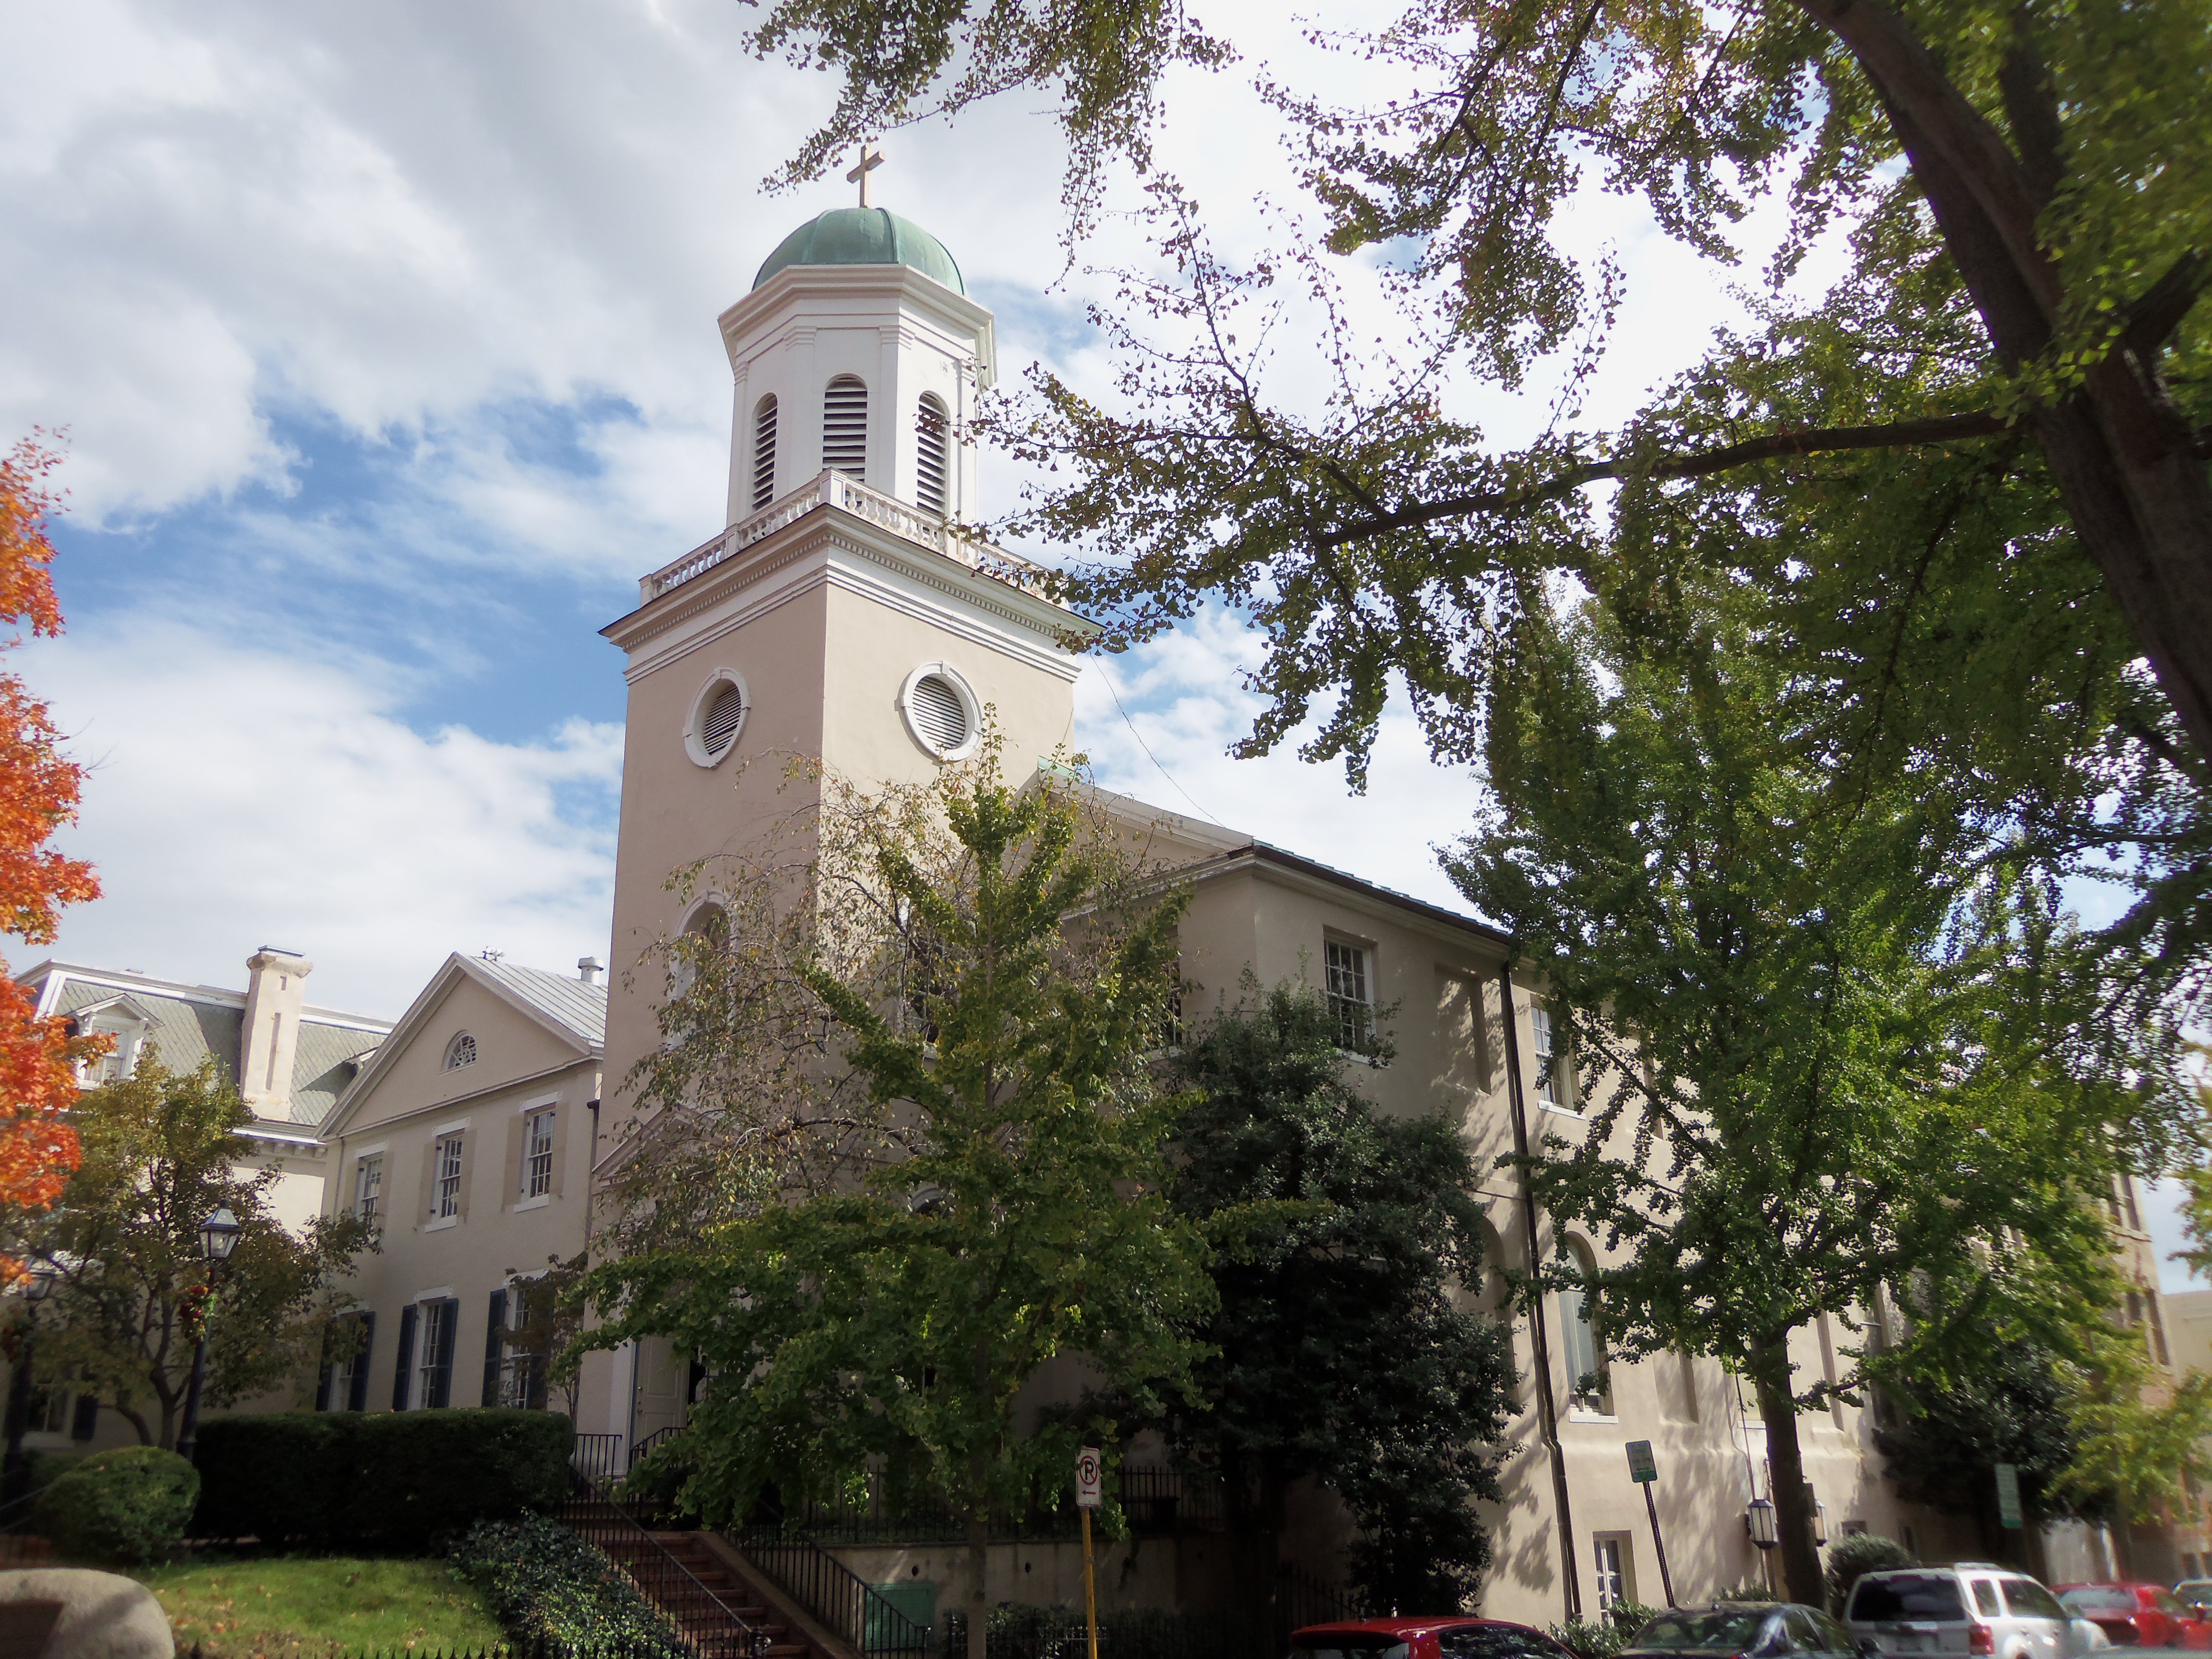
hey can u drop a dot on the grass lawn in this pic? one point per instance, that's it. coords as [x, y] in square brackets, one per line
[284, 1605]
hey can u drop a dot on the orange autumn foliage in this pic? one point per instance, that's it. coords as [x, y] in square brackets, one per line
[38, 794]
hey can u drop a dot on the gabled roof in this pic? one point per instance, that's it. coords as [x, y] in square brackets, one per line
[190, 1022]
[572, 1011]
[581, 1009]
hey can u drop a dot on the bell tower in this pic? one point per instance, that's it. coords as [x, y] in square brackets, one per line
[839, 614]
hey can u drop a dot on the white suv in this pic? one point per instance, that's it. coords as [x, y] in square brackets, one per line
[1973, 1607]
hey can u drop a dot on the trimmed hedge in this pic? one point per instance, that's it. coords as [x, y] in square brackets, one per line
[128, 1505]
[332, 1477]
[546, 1585]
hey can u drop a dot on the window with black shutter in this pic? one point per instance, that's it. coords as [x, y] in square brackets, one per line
[357, 1371]
[403, 1371]
[439, 1320]
[495, 1347]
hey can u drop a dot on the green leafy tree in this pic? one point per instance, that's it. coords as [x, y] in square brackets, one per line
[1817, 1054]
[2038, 172]
[1339, 1350]
[887, 1322]
[548, 1321]
[160, 1156]
[2138, 1439]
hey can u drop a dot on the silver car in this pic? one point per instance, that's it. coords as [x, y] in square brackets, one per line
[1973, 1607]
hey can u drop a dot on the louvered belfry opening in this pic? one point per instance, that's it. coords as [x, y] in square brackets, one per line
[845, 427]
[932, 431]
[764, 452]
[725, 712]
[938, 713]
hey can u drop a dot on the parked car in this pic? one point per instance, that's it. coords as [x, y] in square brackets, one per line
[1744, 1630]
[1972, 1607]
[1451, 1636]
[2138, 1615]
[2194, 1593]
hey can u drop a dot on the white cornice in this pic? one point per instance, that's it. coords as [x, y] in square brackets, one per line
[792, 286]
[830, 546]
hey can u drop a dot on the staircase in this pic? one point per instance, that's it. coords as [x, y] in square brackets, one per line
[718, 1615]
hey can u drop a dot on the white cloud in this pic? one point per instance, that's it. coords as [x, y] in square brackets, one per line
[245, 796]
[1182, 695]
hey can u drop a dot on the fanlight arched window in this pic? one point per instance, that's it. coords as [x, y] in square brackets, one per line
[461, 1051]
[764, 452]
[933, 430]
[705, 936]
[845, 427]
[1587, 1387]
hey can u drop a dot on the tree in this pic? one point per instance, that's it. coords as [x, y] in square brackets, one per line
[548, 1321]
[38, 795]
[2138, 1443]
[1819, 1055]
[158, 1152]
[2040, 168]
[1338, 1350]
[1013, 1213]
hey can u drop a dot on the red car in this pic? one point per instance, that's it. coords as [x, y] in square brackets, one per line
[2136, 1615]
[1451, 1636]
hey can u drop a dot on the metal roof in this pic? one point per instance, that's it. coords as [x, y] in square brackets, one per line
[561, 997]
[187, 1030]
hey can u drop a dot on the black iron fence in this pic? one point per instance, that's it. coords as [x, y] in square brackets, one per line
[1158, 1502]
[839, 1599]
[1301, 1600]
[597, 1457]
[652, 1443]
[709, 1626]
[544, 1647]
[1018, 1633]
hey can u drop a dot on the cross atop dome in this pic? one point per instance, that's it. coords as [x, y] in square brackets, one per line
[871, 159]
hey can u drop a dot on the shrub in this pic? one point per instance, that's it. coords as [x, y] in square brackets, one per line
[1605, 1636]
[282, 1477]
[127, 1505]
[546, 1584]
[329, 1478]
[1752, 1590]
[1851, 1558]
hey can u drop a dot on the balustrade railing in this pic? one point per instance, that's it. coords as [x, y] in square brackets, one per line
[834, 489]
[839, 1599]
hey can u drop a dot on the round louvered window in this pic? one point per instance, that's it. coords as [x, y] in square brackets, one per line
[718, 716]
[941, 712]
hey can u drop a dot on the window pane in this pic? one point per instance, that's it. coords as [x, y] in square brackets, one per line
[1908, 1595]
[1985, 1595]
[2027, 1597]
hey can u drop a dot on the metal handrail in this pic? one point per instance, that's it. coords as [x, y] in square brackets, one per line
[837, 1597]
[595, 1456]
[652, 1443]
[703, 1620]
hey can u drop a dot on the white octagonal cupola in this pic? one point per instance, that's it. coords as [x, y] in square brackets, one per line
[857, 351]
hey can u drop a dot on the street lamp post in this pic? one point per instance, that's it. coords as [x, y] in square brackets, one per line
[218, 1238]
[15, 1468]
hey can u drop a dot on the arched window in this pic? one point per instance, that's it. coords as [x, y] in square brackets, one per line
[932, 429]
[1588, 1388]
[461, 1051]
[845, 427]
[706, 933]
[764, 452]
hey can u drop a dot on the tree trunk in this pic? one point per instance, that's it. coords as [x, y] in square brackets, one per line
[1254, 1552]
[2125, 462]
[1793, 1511]
[979, 1563]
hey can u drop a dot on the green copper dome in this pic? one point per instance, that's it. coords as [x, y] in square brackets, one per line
[863, 236]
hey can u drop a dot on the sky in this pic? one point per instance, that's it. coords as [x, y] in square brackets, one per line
[381, 340]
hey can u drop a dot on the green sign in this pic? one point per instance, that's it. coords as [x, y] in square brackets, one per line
[1641, 1469]
[2008, 1495]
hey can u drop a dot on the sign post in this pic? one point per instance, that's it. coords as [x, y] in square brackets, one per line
[1090, 1480]
[2008, 1513]
[1644, 1470]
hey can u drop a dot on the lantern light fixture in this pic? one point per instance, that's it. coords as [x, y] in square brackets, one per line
[219, 1235]
[1759, 1519]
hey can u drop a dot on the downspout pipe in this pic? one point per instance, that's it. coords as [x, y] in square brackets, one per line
[1547, 1414]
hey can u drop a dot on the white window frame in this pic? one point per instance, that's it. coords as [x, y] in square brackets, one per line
[456, 1055]
[1581, 1351]
[1349, 984]
[536, 1156]
[1614, 1559]
[369, 1198]
[450, 1149]
[1553, 1091]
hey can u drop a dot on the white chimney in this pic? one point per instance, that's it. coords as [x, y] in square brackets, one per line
[587, 969]
[275, 991]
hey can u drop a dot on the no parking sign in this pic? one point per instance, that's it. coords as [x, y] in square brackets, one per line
[1089, 1478]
